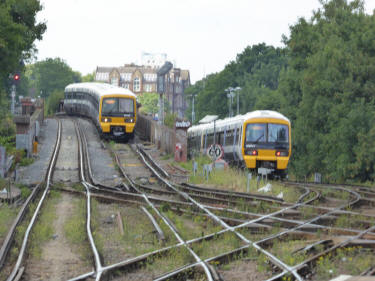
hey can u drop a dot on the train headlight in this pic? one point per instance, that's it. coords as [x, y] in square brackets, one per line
[252, 152]
[131, 120]
[106, 119]
[282, 153]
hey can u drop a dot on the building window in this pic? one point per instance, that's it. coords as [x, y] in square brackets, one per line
[126, 86]
[136, 84]
[148, 88]
[102, 76]
[114, 81]
[126, 76]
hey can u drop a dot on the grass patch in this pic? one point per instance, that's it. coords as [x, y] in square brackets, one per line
[139, 236]
[259, 207]
[223, 243]
[335, 193]
[284, 251]
[95, 223]
[26, 161]
[43, 229]
[25, 191]
[167, 157]
[78, 187]
[177, 257]
[353, 221]
[350, 260]
[235, 180]
[190, 226]
[7, 215]
[75, 229]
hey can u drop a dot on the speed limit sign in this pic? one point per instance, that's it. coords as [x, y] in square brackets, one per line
[215, 152]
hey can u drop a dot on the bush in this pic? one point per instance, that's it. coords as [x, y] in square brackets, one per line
[53, 101]
[170, 119]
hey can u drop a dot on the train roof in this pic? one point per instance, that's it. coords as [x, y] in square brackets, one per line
[100, 89]
[240, 119]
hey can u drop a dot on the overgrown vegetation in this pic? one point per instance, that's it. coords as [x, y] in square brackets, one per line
[350, 260]
[7, 215]
[235, 180]
[75, 229]
[43, 229]
[190, 226]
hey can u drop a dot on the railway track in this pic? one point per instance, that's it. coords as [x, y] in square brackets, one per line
[197, 231]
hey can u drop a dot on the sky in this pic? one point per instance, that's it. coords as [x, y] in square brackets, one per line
[201, 36]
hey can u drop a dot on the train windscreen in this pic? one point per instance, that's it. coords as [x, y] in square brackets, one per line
[278, 133]
[256, 133]
[118, 107]
[270, 133]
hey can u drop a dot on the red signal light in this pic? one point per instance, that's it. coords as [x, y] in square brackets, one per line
[16, 77]
[278, 153]
[254, 152]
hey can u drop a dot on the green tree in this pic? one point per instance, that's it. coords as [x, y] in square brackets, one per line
[50, 75]
[53, 101]
[256, 70]
[329, 89]
[149, 103]
[90, 77]
[18, 31]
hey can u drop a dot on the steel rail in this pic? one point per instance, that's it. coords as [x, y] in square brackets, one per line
[274, 259]
[82, 149]
[333, 248]
[356, 195]
[10, 236]
[283, 273]
[34, 217]
[155, 224]
[166, 221]
[99, 268]
[211, 191]
[295, 222]
[294, 269]
[302, 224]
[157, 167]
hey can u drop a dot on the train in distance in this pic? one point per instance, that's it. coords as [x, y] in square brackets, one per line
[257, 139]
[112, 109]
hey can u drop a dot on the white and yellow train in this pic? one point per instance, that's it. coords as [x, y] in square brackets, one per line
[112, 109]
[258, 139]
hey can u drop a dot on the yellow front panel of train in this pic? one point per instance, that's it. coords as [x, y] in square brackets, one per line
[116, 121]
[266, 154]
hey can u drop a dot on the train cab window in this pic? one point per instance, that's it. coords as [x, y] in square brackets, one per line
[278, 133]
[256, 133]
[118, 107]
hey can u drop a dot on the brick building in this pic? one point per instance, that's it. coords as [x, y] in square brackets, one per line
[141, 79]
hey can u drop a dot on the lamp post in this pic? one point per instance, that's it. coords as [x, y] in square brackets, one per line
[192, 96]
[237, 89]
[230, 96]
[192, 110]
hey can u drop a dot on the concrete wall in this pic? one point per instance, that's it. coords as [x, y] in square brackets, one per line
[28, 127]
[165, 138]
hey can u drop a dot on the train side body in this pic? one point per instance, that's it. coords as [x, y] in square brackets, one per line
[112, 109]
[258, 139]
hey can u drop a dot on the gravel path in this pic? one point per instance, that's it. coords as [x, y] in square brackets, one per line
[102, 164]
[66, 169]
[35, 172]
[60, 260]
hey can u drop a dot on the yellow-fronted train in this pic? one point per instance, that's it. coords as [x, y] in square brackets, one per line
[258, 139]
[112, 109]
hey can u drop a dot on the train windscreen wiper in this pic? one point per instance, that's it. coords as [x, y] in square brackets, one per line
[258, 139]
